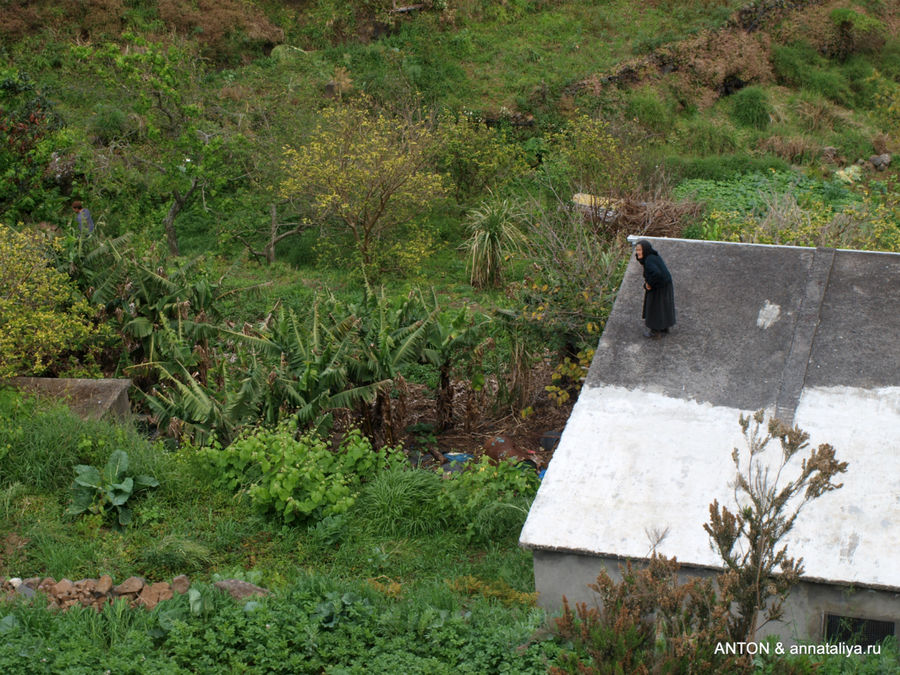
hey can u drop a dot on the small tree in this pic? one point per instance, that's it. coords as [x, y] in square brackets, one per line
[758, 573]
[366, 172]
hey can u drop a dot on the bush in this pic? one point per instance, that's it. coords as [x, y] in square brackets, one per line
[800, 65]
[476, 157]
[854, 33]
[647, 107]
[107, 124]
[297, 479]
[704, 137]
[491, 501]
[750, 108]
[42, 317]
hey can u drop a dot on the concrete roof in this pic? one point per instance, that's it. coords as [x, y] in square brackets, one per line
[812, 335]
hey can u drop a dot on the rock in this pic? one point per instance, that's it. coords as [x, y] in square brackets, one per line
[131, 586]
[15, 582]
[62, 588]
[104, 585]
[46, 585]
[881, 162]
[240, 589]
[152, 595]
[32, 582]
[181, 584]
[25, 591]
[86, 586]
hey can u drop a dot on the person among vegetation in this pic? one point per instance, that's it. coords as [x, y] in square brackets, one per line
[83, 218]
[659, 291]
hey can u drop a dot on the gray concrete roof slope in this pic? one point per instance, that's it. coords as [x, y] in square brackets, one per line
[753, 320]
[858, 340]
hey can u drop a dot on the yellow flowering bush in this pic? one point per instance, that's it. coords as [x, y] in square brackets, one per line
[41, 315]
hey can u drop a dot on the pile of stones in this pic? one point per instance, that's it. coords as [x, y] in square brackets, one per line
[96, 593]
[64, 593]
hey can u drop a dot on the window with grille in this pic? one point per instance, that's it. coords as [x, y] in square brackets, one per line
[853, 630]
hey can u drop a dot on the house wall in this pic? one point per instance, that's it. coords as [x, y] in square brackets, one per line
[557, 574]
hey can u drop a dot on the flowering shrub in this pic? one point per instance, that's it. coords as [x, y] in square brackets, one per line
[42, 317]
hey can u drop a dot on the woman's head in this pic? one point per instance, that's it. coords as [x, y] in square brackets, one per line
[642, 249]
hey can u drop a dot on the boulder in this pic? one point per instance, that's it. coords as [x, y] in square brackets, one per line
[881, 162]
[131, 586]
[150, 596]
[62, 588]
[104, 585]
[240, 589]
[25, 591]
[181, 584]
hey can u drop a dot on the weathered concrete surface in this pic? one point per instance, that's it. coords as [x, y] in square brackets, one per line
[858, 341]
[813, 334]
[89, 399]
[737, 308]
[570, 574]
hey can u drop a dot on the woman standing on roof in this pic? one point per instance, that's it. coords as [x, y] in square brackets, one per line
[659, 292]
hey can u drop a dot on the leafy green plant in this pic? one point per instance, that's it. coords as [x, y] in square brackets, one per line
[107, 491]
[490, 501]
[297, 479]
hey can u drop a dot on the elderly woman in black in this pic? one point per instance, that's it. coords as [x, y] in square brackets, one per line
[659, 293]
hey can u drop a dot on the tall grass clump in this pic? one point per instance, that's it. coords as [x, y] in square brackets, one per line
[750, 108]
[174, 554]
[650, 110]
[493, 235]
[704, 137]
[402, 502]
[47, 441]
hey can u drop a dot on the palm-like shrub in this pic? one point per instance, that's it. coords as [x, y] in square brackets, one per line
[493, 234]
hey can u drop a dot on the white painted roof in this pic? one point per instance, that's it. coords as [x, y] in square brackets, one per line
[632, 465]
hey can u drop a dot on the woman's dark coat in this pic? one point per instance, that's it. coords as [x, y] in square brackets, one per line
[659, 301]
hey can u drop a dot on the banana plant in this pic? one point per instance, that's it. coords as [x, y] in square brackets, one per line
[450, 338]
[389, 338]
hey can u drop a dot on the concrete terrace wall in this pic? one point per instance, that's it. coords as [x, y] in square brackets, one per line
[87, 398]
[810, 335]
